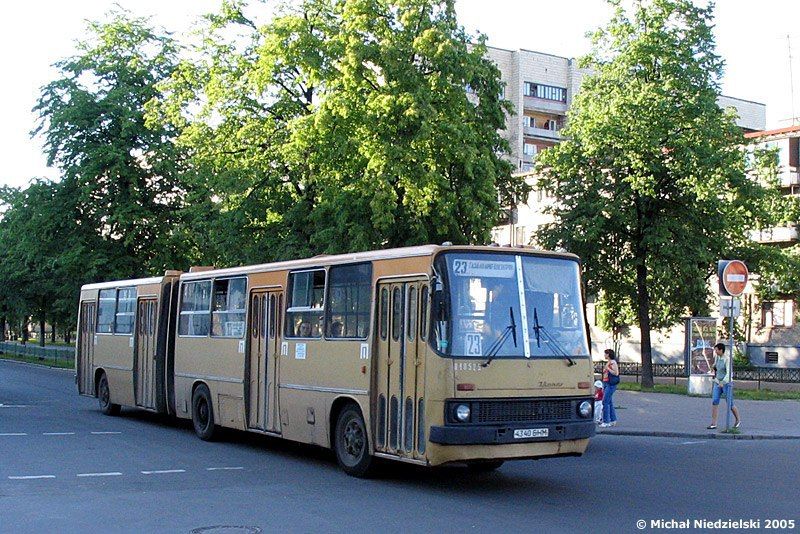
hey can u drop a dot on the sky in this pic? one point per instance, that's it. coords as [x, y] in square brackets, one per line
[751, 38]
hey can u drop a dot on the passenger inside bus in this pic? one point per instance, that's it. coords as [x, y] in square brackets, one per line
[304, 329]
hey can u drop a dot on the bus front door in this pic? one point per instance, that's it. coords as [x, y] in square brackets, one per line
[263, 360]
[400, 369]
[145, 378]
[86, 349]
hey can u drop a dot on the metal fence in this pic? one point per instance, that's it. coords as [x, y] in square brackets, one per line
[44, 354]
[676, 370]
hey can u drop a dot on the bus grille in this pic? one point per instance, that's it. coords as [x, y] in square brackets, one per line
[524, 410]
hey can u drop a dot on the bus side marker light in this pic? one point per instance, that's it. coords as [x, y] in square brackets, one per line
[465, 387]
[584, 385]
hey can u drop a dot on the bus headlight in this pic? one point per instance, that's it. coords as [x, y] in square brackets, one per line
[462, 413]
[585, 409]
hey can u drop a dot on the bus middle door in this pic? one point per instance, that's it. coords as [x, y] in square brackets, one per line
[398, 377]
[263, 360]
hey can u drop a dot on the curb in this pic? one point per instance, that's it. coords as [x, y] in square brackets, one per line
[715, 435]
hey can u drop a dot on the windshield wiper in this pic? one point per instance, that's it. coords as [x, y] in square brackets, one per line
[498, 343]
[553, 344]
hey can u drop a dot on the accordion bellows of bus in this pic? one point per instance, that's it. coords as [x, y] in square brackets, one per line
[428, 355]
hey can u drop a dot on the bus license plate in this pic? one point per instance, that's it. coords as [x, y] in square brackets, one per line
[531, 433]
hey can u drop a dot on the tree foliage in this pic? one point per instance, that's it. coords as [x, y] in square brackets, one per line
[125, 178]
[341, 126]
[651, 181]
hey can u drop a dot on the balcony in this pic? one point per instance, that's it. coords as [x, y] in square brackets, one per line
[779, 234]
[541, 133]
[541, 104]
[789, 176]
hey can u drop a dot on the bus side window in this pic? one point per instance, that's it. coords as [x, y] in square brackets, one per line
[384, 313]
[412, 313]
[423, 314]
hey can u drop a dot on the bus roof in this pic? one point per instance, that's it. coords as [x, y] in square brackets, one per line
[356, 257]
[124, 283]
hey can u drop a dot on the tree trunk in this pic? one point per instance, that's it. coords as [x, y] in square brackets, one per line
[53, 333]
[3, 328]
[24, 331]
[643, 313]
[66, 335]
[41, 331]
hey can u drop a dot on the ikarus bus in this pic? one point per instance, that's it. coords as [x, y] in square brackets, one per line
[427, 355]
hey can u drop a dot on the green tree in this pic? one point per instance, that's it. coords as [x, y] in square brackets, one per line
[341, 126]
[48, 254]
[125, 177]
[651, 181]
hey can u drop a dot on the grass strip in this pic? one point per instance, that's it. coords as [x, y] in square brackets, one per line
[62, 363]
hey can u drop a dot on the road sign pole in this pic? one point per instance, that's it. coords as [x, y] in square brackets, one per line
[729, 396]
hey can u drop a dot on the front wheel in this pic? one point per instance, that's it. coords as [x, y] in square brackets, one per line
[104, 397]
[203, 413]
[351, 443]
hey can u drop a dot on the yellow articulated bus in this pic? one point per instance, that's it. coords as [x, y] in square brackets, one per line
[428, 355]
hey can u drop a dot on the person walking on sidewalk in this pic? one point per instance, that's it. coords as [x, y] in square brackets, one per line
[610, 381]
[722, 384]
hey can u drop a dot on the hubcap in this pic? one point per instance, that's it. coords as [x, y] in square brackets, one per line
[202, 413]
[354, 439]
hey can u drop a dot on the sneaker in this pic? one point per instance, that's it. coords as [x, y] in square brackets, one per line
[711, 427]
[613, 423]
[738, 424]
[605, 425]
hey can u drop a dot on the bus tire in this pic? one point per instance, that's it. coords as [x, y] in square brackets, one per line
[484, 466]
[203, 413]
[351, 443]
[104, 397]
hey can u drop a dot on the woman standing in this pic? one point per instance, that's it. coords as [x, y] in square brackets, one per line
[610, 381]
[722, 383]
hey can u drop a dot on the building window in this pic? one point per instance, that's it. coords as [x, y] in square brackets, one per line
[195, 318]
[306, 304]
[528, 122]
[529, 149]
[545, 92]
[227, 313]
[126, 308]
[776, 313]
[550, 125]
[349, 297]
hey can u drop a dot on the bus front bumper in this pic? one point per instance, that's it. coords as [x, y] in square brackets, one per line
[503, 434]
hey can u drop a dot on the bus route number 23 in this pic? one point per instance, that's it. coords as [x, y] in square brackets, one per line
[473, 344]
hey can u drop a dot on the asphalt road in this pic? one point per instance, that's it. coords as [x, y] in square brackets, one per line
[141, 473]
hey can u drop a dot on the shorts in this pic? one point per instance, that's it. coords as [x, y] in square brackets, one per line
[718, 392]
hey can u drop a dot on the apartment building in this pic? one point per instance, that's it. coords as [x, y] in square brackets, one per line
[542, 87]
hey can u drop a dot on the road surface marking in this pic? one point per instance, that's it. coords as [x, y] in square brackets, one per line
[111, 474]
[692, 442]
[30, 477]
[163, 471]
[224, 468]
[97, 433]
[13, 405]
[13, 434]
[58, 433]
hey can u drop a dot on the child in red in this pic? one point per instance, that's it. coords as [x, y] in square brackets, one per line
[598, 402]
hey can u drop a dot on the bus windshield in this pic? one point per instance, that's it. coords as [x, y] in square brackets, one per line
[510, 306]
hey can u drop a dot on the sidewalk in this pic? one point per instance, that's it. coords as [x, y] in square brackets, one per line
[669, 415]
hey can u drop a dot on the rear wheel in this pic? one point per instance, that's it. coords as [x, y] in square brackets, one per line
[351, 443]
[484, 466]
[104, 397]
[203, 413]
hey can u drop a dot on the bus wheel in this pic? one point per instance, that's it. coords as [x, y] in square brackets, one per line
[104, 396]
[203, 413]
[351, 443]
[484, 466]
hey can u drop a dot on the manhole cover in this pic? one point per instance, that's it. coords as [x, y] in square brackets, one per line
[227, 529]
